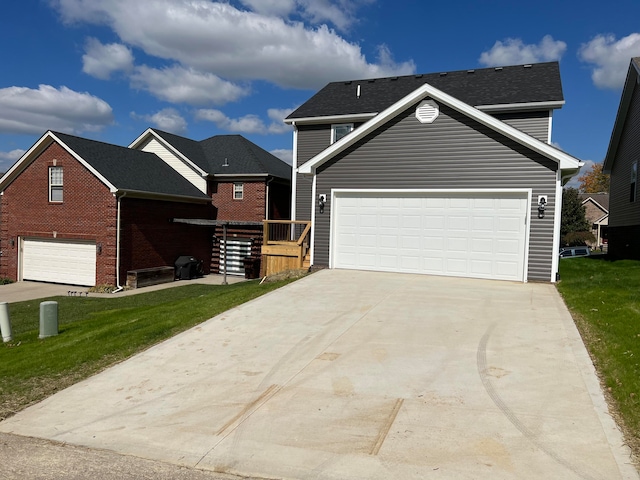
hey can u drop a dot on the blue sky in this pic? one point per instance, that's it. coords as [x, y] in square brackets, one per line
[109, 69]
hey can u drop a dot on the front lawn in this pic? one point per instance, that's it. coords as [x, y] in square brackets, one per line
[604, 300]
[98, 332]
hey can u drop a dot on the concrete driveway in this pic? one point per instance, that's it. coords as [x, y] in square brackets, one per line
[358, 375]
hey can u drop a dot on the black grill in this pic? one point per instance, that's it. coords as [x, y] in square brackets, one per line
[188, 267]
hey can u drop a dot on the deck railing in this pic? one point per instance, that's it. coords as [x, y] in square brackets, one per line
[285, 245]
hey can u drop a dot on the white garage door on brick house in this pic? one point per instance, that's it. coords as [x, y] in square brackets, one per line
[478, 234]
[58, 261]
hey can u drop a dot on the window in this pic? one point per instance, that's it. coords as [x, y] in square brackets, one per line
[340, 130]
[238, 191]
[634, 178]
[55, 184]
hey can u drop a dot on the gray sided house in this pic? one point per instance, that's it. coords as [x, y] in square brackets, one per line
[449, 173]
[621, 162]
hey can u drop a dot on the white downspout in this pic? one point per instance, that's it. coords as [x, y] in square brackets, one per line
[120, 287]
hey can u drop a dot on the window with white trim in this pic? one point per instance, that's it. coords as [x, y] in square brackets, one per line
[340, 130]
[238, 191]
[634, 181]
[55, 184]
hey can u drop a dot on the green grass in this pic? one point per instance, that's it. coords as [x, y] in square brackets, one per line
[604, 300]
[95, 333]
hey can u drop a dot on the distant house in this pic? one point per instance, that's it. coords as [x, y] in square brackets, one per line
[596, 206]
[621, 162]
[449, 173]
[83, 212]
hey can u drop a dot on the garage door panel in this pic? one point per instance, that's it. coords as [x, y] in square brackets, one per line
[478, 235]
[59, 261]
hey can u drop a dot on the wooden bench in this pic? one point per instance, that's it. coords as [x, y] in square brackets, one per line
[144, 277]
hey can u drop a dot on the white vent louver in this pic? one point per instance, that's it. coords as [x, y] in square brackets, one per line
[427, 111]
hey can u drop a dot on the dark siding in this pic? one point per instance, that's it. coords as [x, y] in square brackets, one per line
[453, 152]
[622, 212]
[535, 124]
[312, 139]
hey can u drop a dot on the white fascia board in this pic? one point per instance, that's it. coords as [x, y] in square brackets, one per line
[150, 132]
[31, 154]
[521, 107]
[330, 119]
[564, 160]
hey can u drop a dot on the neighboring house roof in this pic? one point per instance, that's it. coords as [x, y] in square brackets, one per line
[507, 88]
[630, 84]
[601, 200]
[121, 169]
[241, 157]
[567, 163]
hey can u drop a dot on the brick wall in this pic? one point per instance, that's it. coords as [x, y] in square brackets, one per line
[250, 208]
[87, 212]
[150, 239]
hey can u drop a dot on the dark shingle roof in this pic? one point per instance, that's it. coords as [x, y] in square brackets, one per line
[242, 156]
[601, 198]
[129, 169]
[539, 82]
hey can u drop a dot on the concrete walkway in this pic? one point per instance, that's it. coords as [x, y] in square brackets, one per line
[22, 291]
[358, 375]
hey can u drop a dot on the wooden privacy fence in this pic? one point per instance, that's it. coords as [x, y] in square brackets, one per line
[285, 245]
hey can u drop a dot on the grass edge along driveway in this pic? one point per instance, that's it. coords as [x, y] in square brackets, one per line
[604, 300]
[96, 333]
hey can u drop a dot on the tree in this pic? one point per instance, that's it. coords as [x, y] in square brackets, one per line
[575, 229]
[594, 181]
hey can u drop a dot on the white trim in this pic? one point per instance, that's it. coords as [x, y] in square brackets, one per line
[337, 191]
[550, 127]
[330, 118]
[557, 221]
[565, 161]
[294, 172]
[19, 262]
[505, 107]
[314, 202]
[150, 132]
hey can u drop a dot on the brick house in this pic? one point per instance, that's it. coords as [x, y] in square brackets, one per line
[83, 212]
[596, 211]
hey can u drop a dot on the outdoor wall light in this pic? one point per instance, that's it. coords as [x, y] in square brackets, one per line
[12, 242]
[99, 248]
[542, 201]
[322, 199]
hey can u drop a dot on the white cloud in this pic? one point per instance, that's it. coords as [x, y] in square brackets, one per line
[101, 60]
[281, 8]
[283, 154]
[182, 85]
[611, 58]
[30, 111]
[248, 123]
[13, 155]
[219, 39]
[167, 119]
[514, 52]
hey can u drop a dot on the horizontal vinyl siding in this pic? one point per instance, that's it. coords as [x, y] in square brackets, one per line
[454, 152]
[312, 139]
[535, 124]
[153, 146]
[621, 211]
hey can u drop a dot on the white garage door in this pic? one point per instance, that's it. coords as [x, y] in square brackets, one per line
[479, 235]
[59, 261]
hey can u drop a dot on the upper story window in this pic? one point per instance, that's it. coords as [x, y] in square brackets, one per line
[55, 184]
[340, 130]
[238, 191]
[634, 181]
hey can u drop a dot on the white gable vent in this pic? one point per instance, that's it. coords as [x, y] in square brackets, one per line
[427, 111]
